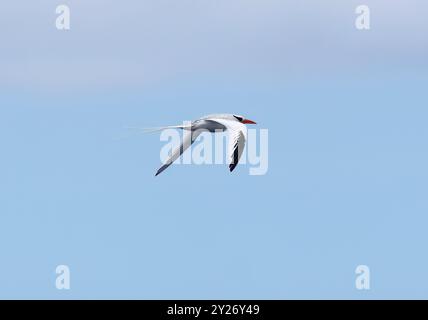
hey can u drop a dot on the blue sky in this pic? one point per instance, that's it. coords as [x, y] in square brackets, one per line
[347, 181]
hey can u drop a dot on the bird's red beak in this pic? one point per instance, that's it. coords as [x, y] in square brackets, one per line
[246, 121]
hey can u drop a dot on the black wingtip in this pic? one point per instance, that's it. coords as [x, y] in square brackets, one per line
[232, 167]
[162, 169]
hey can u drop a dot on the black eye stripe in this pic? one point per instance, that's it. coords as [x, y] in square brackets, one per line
[239, 118]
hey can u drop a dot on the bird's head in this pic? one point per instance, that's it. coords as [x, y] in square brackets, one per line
[243, 120]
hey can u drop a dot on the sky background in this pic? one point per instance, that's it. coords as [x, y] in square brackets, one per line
[346, 112]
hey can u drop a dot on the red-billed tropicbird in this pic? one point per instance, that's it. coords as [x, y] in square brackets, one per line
[233, 124]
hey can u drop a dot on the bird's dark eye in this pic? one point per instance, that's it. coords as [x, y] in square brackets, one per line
[239, 118]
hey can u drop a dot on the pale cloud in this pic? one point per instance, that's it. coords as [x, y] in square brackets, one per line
[141, 42]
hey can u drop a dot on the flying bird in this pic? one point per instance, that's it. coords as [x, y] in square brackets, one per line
[233, 124]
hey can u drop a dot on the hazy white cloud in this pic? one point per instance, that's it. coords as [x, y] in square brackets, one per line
[138, 42]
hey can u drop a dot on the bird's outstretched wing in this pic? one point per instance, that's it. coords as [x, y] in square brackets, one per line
[188, 139]
[236, 147]
[237, 139]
